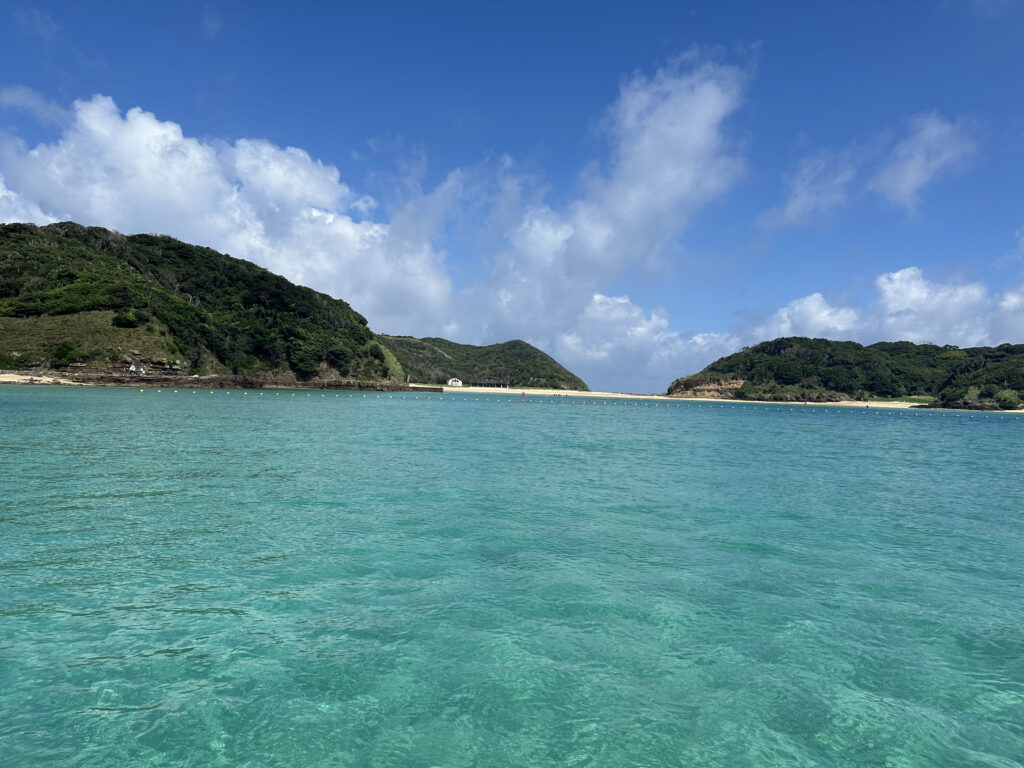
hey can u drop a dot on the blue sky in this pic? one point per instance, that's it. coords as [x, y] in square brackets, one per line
[637, 190]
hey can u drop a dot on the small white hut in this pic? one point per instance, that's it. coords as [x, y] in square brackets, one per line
[454, 382]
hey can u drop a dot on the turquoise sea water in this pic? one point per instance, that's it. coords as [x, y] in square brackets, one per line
[295, 580]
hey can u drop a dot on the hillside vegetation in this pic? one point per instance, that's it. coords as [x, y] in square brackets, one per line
[434, 361]
[819, 370]
[71, 294]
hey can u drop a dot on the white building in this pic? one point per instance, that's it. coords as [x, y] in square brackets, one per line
[454, 382]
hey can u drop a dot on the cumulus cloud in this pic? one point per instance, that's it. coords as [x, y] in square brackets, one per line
[820, 184]
[670, 154]
[912, 308]
[907, 307]
[1007, 321]
[811, 316]
[615, 340]
[934, 146]
[14, 208]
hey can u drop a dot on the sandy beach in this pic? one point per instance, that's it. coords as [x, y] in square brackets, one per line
[27, 378]
[580, 393]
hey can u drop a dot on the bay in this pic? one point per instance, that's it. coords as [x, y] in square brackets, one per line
[364, 579]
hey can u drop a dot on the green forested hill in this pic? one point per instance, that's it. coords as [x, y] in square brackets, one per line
[434, 361]
[74, 295]
[71, 293]
[798, 368]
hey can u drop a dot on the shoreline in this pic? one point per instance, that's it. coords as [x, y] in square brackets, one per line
[666, 398]
[54, 378]
[8, 377]
[162, 380]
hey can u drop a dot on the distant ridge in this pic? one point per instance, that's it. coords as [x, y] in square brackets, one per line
[819, 370]
[435, 361]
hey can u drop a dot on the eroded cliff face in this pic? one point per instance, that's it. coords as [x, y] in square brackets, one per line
[724, 389]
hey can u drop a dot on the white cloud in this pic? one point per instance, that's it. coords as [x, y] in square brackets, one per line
[1007, 321]
[820, 184]
[14, 208]
[935, 146]
[810, 316]
[912, 308]
[907, 307]
[283, 179]
[669, 155]
[615, 342]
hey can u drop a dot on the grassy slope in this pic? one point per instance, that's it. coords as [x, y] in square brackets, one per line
[29, 341]
[434, 361]
[820, 370]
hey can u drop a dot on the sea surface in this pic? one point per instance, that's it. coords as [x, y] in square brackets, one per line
[331, 579]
